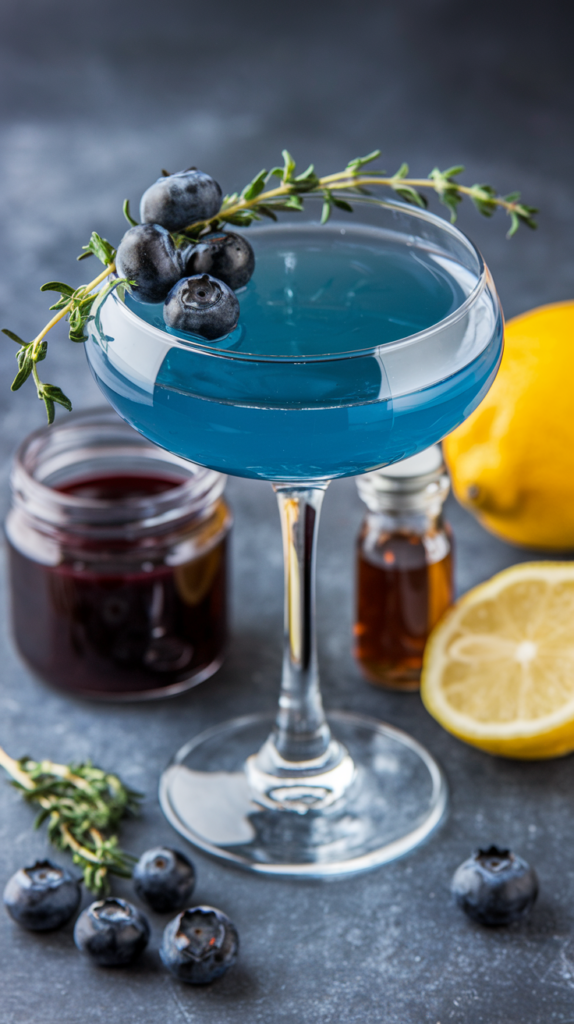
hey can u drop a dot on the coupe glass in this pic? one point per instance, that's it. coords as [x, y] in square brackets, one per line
[302, 794]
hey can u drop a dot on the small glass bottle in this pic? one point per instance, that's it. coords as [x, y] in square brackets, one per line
[404, 567]
[117, 560]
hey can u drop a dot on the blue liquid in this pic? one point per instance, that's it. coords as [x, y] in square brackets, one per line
[331, 293]
[315, 292]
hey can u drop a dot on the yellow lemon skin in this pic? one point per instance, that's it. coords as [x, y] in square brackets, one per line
[512, 461]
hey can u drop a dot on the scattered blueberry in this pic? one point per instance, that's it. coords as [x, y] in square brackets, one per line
[148, 256]
[165, 879]
[112, 931]
[199, 945]
[42, 897]
[180, 199]
[227, 256]
[495, 887]
[202, 305]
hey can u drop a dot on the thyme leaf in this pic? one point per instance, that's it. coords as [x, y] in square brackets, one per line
[12, 336]
[289, 166]
[25, 366]
[360, 161]
[255, 187]
[100, 247]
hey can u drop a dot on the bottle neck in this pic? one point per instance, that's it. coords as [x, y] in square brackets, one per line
[417, 521]
[410, 506]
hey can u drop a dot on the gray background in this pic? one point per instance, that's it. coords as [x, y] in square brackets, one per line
[96, 98]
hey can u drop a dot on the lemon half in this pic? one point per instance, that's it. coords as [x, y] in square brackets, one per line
[498, 669]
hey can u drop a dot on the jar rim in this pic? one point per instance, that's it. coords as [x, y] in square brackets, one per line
[47, 452]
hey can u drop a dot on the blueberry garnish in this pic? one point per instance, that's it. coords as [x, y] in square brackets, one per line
[199, 945]
[495, 887]
[178, 200]
[112, 932]
[147, 255]
[165, 879]
[42, 897]
[226, 256]
[202, 305]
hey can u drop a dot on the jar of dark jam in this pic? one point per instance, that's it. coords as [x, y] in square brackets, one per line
[404, 567]
[117, 560]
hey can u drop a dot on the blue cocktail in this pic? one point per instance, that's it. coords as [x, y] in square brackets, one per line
[357, 345]
[325, 375]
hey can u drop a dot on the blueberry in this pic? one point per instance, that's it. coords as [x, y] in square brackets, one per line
[112, 931]
[495, 887]
[42, 897]
[227, 256]
[202, 305]
[199, 945]
[148, 256]
[177, 200]
[165, 879]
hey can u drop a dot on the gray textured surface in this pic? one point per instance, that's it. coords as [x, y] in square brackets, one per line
[96, 98]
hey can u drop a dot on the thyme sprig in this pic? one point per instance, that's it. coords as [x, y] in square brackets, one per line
[240, 209]
[254, 202]
[83, 806]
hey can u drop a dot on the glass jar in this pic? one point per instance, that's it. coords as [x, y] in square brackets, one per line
[404, 567]
[117, 561]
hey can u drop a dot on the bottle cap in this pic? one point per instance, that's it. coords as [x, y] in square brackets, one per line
[417, 482]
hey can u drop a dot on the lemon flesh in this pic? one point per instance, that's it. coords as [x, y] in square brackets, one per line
[511, 460]
[498, 669]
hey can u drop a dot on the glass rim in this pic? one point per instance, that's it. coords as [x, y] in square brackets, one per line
[202, 348]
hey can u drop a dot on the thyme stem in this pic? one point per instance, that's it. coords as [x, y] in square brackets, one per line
[345, 180]
[63, 312]
[82, 850]
[13, 769]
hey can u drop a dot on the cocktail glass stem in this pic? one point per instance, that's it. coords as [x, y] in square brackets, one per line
[300, 766]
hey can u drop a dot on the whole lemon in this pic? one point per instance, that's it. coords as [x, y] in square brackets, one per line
[512, 460]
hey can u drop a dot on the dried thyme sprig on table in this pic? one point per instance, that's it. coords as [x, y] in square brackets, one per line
[83, 806]
[241, 209]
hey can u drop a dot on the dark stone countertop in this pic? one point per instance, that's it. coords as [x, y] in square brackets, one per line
[96, 100]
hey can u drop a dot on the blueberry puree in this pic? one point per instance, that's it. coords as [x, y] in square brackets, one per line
[121, 628]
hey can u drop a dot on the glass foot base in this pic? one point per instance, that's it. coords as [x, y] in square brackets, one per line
[394, 799]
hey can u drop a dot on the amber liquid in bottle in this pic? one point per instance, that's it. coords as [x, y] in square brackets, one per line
[404, 585]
